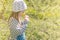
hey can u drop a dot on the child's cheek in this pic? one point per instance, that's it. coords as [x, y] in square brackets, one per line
[23, 14]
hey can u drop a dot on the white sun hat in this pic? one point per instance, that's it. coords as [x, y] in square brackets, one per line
[19, 5]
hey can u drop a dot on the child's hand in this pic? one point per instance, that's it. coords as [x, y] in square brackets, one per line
[26, 17]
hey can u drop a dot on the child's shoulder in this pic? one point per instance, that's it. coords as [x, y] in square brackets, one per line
[12, 19]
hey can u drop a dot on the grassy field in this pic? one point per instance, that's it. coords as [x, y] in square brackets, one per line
[38, 29]
[44, 19]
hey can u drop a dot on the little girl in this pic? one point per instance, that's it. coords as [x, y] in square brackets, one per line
[16, 24]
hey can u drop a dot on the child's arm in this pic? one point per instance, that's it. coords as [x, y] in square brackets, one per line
[24, 23]
[26, 20]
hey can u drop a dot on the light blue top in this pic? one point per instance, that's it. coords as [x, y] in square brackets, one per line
[14, 27]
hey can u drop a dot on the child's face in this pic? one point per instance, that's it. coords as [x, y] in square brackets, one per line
[20, 13]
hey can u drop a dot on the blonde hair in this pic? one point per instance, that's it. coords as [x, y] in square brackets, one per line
[15, 15]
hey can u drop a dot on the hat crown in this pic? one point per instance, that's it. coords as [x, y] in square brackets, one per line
[18, 0]
[19, 5]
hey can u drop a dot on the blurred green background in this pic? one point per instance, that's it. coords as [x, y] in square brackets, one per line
[44, 19]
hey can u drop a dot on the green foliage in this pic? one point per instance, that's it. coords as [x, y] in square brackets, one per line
[44, 19]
